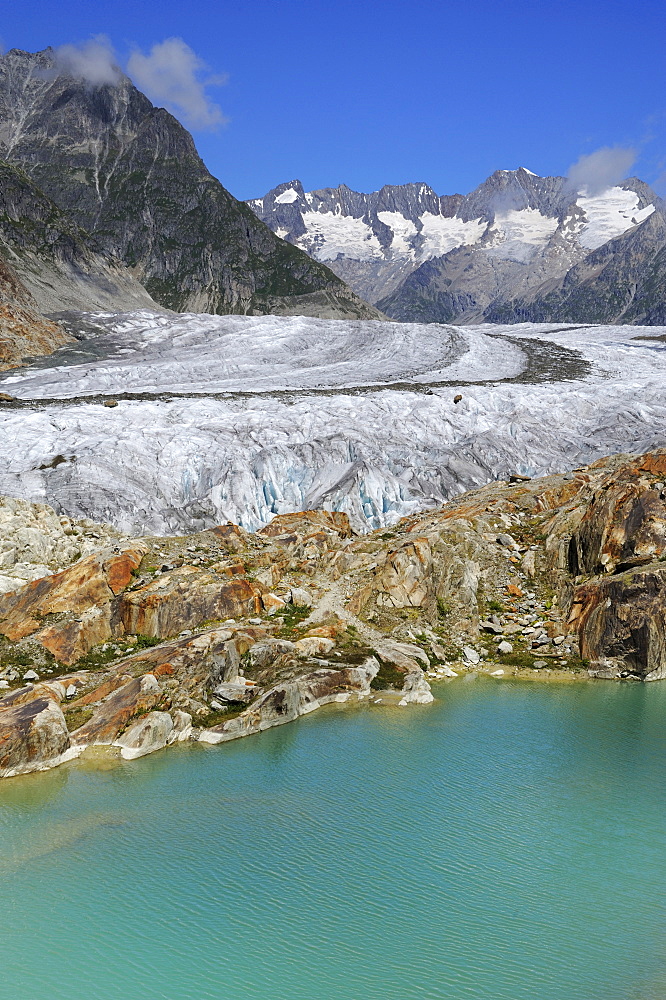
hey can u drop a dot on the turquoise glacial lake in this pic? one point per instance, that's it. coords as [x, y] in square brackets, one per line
[507, 842]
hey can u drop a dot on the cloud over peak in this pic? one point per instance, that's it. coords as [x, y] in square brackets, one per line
[93, 61]
[603, 169]
[171, 75]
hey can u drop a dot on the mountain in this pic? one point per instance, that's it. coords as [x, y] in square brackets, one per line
[49, 265]
[59, 264]
[519, 247]
[129, 175]
[23, 331]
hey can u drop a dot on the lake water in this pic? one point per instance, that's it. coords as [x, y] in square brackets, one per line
[505, 843]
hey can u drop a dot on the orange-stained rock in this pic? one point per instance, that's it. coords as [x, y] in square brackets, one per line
[189, 667]
[109, 685]
[33, 734]
[53, 690]
[164, 669]
[230, 569]
[513, 590]
[119, 568]
[71, 640]
[624, 524]
[621, 622]
[235, 538]
[654, 463]
[326, 631]
[82, 586]
[271, 601]
[184, 598]
[306, 522]
[24, 332]
[137, 695]
[405, 579]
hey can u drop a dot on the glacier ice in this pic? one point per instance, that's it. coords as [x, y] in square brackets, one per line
[239, 418]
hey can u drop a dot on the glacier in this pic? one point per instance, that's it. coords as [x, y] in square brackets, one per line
[240, 418]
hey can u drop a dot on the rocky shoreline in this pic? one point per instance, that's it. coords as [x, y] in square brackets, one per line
[141, 643]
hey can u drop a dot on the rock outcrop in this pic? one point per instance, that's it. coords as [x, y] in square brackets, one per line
[35, 541]
[33, 732]
[185, 597]
[290, 699]
[181, 638]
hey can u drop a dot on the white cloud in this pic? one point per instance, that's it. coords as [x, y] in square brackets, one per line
[170, 75]
[602, 169]
[93, 61]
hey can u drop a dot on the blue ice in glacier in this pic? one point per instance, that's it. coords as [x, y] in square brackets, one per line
[239, 418]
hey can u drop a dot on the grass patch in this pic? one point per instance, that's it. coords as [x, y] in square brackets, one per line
[217, 716]
[292, 616]
[388, 676]
[77, 717]
[146, 641]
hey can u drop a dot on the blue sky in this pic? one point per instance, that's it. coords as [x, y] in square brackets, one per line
[388, 92]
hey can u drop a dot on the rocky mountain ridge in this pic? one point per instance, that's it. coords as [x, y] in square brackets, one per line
[519, 247]
[127, 175]
[225, 633]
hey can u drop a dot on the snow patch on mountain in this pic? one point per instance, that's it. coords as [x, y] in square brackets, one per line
[441, 234]
[610, 214]
[517, 235]
[332, 235]
[287, 197]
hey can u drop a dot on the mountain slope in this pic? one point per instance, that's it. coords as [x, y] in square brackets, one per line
[60, 266]
[518, 247]
[23, 331]
[129, 174]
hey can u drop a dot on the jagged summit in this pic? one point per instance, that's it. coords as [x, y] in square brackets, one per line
[519, 246]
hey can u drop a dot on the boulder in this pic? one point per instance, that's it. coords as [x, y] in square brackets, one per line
[33, 736]
[267, 651]
[272, 603]
[416, 690]
[404, 655]
[236, 692]
[528, 563]
[182, 727]
[314, 645]
[300, 597]
[149, 734]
